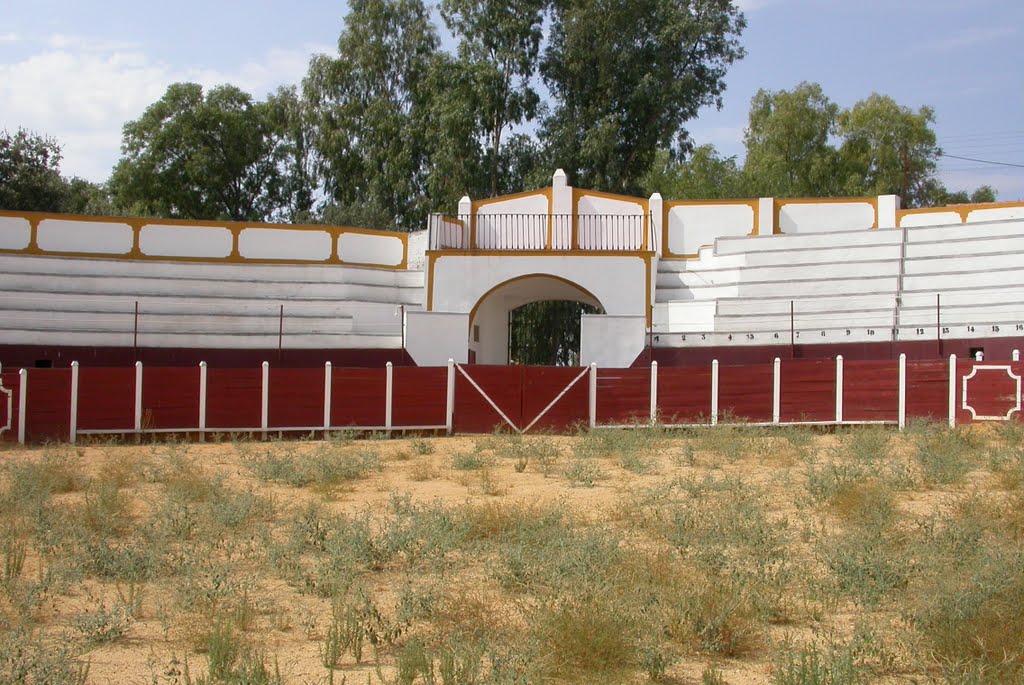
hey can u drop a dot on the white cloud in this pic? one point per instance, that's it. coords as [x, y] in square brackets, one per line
[966, 38]
[9, 38]
[754, 5]
[81, 91]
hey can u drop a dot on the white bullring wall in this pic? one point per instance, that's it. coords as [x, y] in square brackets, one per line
[611, 341]
[157, 240]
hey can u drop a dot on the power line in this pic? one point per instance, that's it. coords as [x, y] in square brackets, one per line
[983, 161]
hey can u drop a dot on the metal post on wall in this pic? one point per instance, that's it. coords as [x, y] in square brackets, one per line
[265, 399]
[654, 392]
[73, 423]
[776, 390]
[138, 401]
[902, 410]
[22, 403]
[714, 392]
[389, 388]
[135, 336]
[327, 398]
[449, 414]
[839, 388]
[280, 332]
[952, 390]
[938, 324]
[792, 330]
[593, 395]
[202, 401]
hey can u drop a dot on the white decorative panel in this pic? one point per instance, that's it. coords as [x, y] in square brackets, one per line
[282, 243]
[360, 248]
[93, 237]
[15, 233]
[158, 240]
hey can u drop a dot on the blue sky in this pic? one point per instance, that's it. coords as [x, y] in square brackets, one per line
[78, 70]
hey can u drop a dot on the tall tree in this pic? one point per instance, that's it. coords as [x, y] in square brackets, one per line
[368, 103]
[704, 174]
[199, 156]
[30, 179]
[888, 149]
[292, 127]
[787, 139]
[499, 42]
[626, 75]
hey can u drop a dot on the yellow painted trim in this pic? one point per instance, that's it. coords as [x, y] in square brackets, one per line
[432, 258]
[780, 203]
[524, 277]
[963, 210]
[538, 253]
[668, 206]
[234, 227]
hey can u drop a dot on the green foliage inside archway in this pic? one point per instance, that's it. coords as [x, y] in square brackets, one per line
[547, 333]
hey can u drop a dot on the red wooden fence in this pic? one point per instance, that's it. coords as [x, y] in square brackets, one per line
[60, 404]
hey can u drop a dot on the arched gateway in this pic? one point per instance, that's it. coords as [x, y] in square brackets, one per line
[558, 243]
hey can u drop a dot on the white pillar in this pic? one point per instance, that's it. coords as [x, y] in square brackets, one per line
[714, 392]
[839, 388]
[656, 206]
[22, 404]
[265, 398]
[327, 397]
[73, 431]
[952, 390]
[138, 398]
[979, 356]
[776, 390]
[389, 389]
[902, 416]
[593, 393]
[888, 205]
[654, 392]
[1015, 356]
[202, 400]
[449, 414]
[766, 216]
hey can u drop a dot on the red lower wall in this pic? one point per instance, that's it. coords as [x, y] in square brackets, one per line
[553, 399]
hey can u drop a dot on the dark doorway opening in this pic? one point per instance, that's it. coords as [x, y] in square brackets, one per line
[546, 333]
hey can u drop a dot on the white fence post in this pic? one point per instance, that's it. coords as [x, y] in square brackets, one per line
[202, 401]
[654, 392]
[902, 415]
[593, 395]
[327, 397]
[73, 431]
[952, 390]
[714, 392]
[22, 404]
[776, 390]
[839, 388]
[389, 389]
[265, 399]
[1015, 356]
[138, 400]
[449, 414]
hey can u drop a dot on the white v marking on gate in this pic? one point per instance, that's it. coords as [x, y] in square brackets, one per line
[489, 400]
[567, 388]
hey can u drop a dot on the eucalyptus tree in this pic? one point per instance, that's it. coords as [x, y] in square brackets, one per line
[30, 179]
[499, 44]
[626, 75]
[369, 106]
[197, 155]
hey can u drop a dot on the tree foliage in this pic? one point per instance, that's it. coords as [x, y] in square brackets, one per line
[30, 179]
[888, 149]
[787, 141]
[498, 47]
[200, 156]
[626, 75]
[370, 104]
[547, 333]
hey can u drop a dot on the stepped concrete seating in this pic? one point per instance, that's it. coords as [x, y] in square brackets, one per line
[848, 286]
[92, 302]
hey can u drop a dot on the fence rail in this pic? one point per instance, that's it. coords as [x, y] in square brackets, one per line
[37, 405]
[545, 232]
